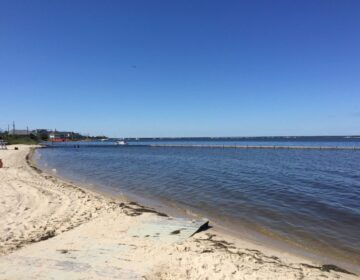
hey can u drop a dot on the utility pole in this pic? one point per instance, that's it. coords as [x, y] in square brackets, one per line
[13, 128]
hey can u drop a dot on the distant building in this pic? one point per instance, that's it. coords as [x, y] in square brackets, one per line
[41, 131]
[55, 136]
[19, 132]
[63, 136]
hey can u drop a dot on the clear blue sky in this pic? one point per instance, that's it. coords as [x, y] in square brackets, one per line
[181, 68]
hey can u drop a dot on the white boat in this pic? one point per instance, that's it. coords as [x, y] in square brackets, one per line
[121, 142]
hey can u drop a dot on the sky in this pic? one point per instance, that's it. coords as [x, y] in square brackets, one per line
[181, 68]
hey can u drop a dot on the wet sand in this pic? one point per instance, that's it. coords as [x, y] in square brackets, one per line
[53, 229]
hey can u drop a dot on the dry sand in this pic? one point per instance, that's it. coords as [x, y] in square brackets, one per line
[52, 229]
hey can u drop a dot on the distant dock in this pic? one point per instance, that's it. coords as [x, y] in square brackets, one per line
[249, 147]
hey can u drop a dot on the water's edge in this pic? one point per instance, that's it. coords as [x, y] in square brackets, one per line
[185, 211]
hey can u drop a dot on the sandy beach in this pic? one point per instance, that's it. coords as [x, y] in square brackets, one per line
[53, 229]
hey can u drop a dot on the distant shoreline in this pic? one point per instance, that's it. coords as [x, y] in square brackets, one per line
[255, 138]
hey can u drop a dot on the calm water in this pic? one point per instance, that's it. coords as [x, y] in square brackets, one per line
[307, 198]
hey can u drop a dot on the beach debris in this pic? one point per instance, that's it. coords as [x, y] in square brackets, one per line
[48, 234]
[1, 163]
[165, 230]
[135, 209]
[63, 251]
[203, 227]
[207, 251]
[66, 251]
[16, 148]
[328, 268]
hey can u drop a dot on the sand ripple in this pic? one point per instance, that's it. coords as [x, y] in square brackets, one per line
[36, 206]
